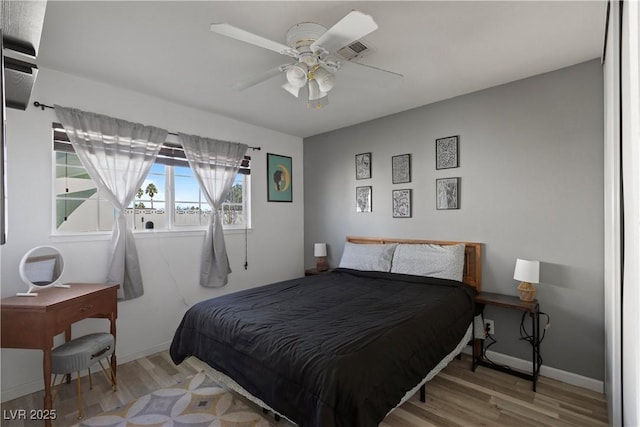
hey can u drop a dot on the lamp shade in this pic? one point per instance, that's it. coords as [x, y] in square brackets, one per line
[325, 79]
[293, 90]
[527, 271]
[297, 75]
[320, 249]
[314, 91]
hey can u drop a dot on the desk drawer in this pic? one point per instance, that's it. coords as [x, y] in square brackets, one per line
[84, 307]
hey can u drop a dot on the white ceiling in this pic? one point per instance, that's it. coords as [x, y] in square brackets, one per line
[443, 49]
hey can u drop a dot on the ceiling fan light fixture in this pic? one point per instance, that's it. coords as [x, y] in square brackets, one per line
[293, 90]
[314, 91]
[326, 79]
[297, 75]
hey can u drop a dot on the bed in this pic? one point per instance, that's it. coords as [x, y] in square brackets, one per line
[344, 348]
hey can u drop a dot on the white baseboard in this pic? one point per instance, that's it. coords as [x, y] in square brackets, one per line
[546, 371]
[20, 390]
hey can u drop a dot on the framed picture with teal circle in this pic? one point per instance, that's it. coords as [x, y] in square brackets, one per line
[279, 178]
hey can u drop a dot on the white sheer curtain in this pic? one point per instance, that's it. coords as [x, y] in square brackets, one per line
[215, 164]
[117, 155]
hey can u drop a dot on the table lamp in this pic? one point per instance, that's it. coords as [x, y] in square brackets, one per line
[320, 252]
[528, 272]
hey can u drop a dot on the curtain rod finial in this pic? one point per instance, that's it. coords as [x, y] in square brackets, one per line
[42, 106]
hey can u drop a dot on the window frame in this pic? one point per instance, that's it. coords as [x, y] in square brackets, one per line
[171, 155]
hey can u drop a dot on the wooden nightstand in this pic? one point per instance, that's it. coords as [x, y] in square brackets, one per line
[514, 303]
[314, 271]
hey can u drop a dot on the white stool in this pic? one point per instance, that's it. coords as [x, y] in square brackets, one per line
[79, 354]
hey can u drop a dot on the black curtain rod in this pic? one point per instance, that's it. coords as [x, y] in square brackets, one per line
[43, 106]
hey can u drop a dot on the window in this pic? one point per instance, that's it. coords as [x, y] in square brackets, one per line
[169, 198]
[149, 205]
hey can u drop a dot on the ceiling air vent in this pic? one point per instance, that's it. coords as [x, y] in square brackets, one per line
[357, 49]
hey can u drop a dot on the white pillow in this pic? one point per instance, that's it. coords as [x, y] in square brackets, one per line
[367, 257]
[443, 261]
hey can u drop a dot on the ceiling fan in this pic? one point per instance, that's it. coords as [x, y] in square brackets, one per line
[313, 49]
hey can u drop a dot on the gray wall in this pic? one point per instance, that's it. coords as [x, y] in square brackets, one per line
[531, 163]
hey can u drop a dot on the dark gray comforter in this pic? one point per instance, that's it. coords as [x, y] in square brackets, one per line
[337, 349]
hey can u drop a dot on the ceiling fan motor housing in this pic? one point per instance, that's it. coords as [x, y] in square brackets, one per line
[301, 36]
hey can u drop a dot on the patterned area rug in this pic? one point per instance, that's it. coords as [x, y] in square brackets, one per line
[198, 401]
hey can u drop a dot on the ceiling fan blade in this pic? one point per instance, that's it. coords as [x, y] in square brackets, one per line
[352, 27]
[257, 78]
[254, 39]
[360, 73]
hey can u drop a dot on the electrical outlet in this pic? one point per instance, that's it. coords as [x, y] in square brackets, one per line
[489, 326]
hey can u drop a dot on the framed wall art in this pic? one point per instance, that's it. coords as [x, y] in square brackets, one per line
[363, 166]
[363, 199]
[279, 178]
[401, 203]
[401, 169]
[447, 152]
[448, 193]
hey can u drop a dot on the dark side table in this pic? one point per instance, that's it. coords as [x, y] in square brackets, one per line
[514, 303]
[314, 271]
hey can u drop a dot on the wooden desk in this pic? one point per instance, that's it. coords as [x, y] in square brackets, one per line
[33, 322]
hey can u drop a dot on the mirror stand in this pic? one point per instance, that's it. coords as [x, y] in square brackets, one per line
[41, 267]
[35, 294]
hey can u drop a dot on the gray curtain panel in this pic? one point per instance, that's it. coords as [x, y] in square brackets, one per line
[117, 155]
[215, 165]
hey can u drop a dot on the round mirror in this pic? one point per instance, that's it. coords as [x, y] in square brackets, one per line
[40, 268]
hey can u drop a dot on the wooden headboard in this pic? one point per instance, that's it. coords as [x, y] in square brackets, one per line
[472, 274]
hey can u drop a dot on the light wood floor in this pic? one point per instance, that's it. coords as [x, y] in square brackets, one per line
[455, 397]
